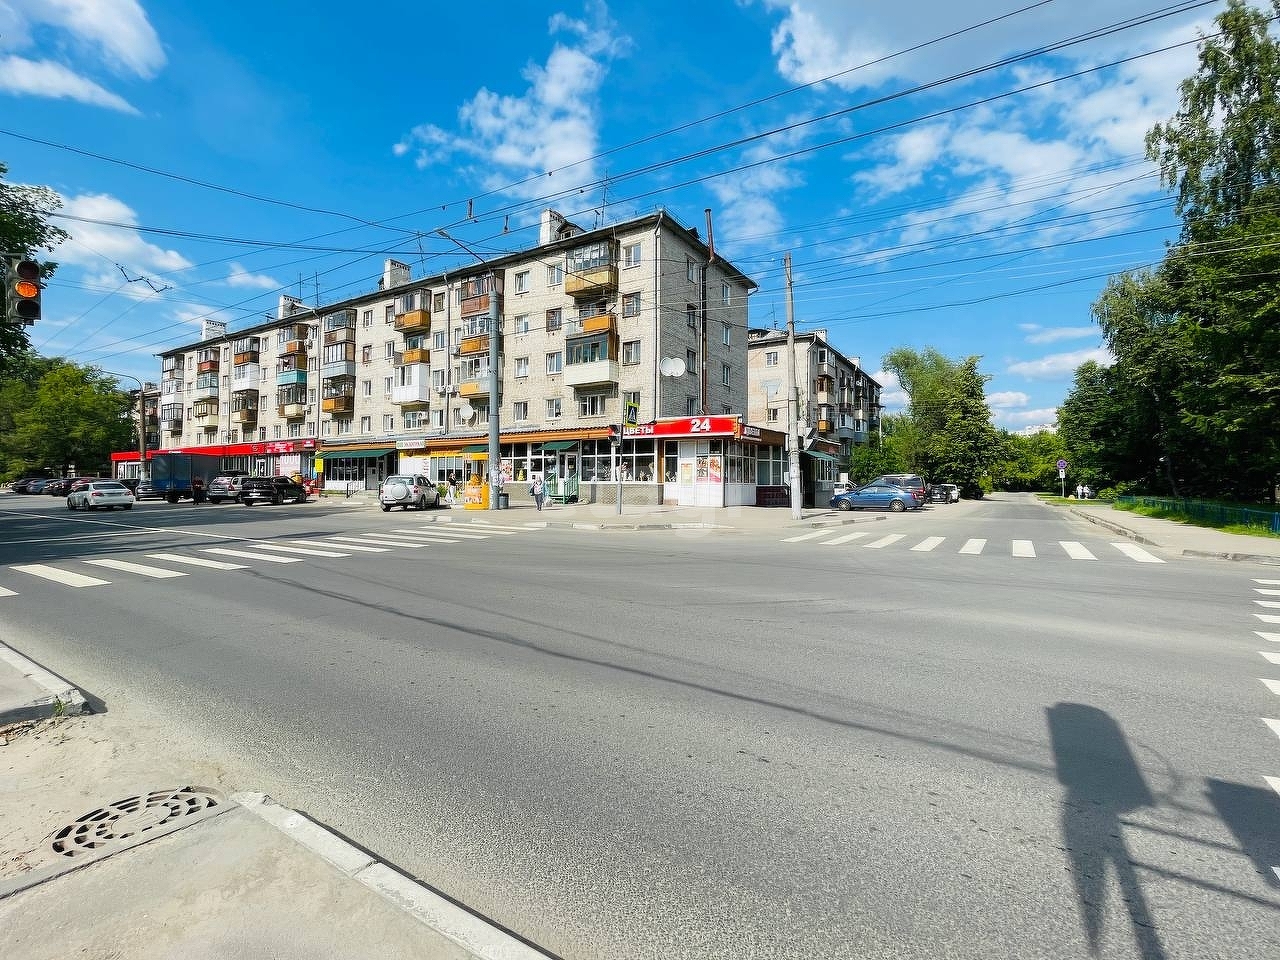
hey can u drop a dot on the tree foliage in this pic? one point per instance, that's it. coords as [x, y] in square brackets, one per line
[24, 231]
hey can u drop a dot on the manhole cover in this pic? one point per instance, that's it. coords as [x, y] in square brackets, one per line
[120, 823]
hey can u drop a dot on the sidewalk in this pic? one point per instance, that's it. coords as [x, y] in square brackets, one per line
[1183, 538]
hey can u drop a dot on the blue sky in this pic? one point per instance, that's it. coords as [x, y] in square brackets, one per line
[210, 159]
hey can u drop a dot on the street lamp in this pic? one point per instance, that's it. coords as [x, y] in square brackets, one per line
[494, 404]
[142, 422]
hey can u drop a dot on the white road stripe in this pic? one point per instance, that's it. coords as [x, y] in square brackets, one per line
[1273, 724]
[1268, 656]
[198, 561]
[927, 544]
[1135, 552]
[1268, 618]
[482, 529]
[1023, 548]
[973, 547]
[1076, 550]
[1272, 685]
[1273, 637]
[64, 577]
[847, 538]
[380, 541]
[1274, 782]
[451, 534]
[1268, 603]
[345, 546]
[1267, 583]
[305, 551]
[807, 536]
[502, 526]
[141, 569]
[228, 552]
[884, 541]
[1267, 593]
[6, 592]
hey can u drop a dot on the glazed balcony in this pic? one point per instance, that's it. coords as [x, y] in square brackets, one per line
[245, 356]
[415, 321]
[470, 346]
[600, 323]
[419, 355]
[173, 424]
[291, 411]
[294, 348]
[208, 391]
[207, 366]
[245, 415]
[410, 393]
[340, 335]
[472, 306]
[474, 388]
[591, 374]
[344, 403]
[338, 368]
[592, 282]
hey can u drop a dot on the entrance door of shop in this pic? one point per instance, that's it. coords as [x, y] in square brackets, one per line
[566, 484]
[374, 473]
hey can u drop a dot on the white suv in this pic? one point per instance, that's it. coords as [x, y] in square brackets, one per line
[408, 490]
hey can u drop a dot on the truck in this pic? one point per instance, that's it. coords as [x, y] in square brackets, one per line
[175, 476]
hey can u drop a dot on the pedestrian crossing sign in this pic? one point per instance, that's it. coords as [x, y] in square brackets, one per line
[632, 417]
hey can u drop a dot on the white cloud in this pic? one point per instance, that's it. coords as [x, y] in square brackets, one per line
[1054, 334]
[1008, 398]
[1021, 418]
[1059, 365]
[894, 398]
[238, 276]
[24, 77]
[552, 126]
[99, 248]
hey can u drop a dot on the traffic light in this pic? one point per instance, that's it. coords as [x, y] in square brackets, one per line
[22, 290]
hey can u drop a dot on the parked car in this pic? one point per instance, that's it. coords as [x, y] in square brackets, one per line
[226, 486]
[271, 490]
[938, 493]
[145, 490]
[408, 490]
[908, 481]
[83, 482]
[21, 485]
[882, 495]
[35, 485]
[954, 490]
[105, 494]
[62, 485]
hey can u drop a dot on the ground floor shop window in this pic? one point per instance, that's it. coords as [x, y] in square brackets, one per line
[771, 463]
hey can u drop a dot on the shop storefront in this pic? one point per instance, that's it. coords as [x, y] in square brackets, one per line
[354, 468]
[713, 461]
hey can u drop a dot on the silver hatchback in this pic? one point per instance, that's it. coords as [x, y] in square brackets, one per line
[408, 490]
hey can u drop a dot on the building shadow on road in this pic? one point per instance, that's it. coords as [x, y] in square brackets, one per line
[1102, 783]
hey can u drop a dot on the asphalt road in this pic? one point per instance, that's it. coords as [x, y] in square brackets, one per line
[876, 741]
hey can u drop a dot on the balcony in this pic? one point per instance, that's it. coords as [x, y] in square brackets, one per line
[341, 404]
[207, 366]
[247, 415]
[205, 419]
[419, 355]
[294, 348]
[824, 426]
[471, 306]
[591, 374]
[338, 368]
[600, 323]
[207, 392]
[291, 411]
[474, 388]
[415, 321]
[340, 335]
[245, 356]
[592, 282]
[473, 345]
[245, 374]
[173, 425]
[285, 378]
[410, 393]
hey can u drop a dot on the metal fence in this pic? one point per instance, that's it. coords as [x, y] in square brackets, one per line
[1214, 513]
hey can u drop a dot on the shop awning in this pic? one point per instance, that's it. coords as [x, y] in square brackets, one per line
[559, 445]
[817, 455]
[339, 454]
[476, 448]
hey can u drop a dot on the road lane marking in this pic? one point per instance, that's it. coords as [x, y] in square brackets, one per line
[1267, 593]
[884, 541]
[1273, 724]
[305, 551]
[1269, 618]
[1272, 685]
[381, 541]
[1271, 657]
[502, 526]
[1134, 552]
[228, 552]
[1023, 548]
[973, 547]
[1273, 637]
[481, 530]
[927, 544]
[64, 577]
[141, 569]
[807, 536]
[443, 538]
[198, 561]
[1268, 603]
[345, 546]
[1274, 782]
[1267, 583]
[455, 535]
[1076, 550]
[847, 538]
[6, 592]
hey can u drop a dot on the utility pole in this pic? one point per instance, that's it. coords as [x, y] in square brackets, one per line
[793, 401]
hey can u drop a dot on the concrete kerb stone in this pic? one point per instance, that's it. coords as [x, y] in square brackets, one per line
[57, 690]
[472, 933]
[1243, 557]
[1114, 528]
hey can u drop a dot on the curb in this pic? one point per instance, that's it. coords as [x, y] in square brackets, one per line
[60, 691]
[470, 932]
[1115, 528]
[1218, 555]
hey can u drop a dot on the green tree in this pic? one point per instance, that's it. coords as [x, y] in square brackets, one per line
[1030, 462]
[73, 416]
[24, 231]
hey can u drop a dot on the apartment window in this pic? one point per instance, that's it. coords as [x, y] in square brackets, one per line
[459, 418]
[389, 315]
[725, 336]
[691, 316]
[522, 366]
[388, 423]
[725, 294]
[592, 404]
[386, 384]
[368, 318]
[555, 275]
[437, 419]
[522, 281]
[295, 429]
[390, 350]
[771, 358]
[631, 351]
[690, 271]
[554, 319]
[690, 406]
[366, 424]
[555, 362]
[520, 409]
[553, 409]
[521, 323]
[631, 255]
[725, 373]
[439, 340]
[438, 378]
[822, 356]
[771, 415]
[631, 305]
[366, 353]
[366, 388]
[630, 396]
[691, 362]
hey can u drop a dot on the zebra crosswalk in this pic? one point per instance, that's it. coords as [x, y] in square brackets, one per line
[98, 571]
[975, 546]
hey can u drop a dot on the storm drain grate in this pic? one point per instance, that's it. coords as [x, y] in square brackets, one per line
[122, 824]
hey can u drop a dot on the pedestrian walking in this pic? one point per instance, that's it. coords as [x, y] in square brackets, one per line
[537, 491]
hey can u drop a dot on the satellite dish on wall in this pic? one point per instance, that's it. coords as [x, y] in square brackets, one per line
[672, 367]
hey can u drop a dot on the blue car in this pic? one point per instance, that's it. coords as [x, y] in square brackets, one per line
[879, 495]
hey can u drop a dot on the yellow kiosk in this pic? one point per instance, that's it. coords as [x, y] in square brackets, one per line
[475, 492]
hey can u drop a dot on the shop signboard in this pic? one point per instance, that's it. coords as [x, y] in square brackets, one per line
[688, 427]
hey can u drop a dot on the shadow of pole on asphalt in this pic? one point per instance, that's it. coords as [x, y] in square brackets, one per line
[1102, 783]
